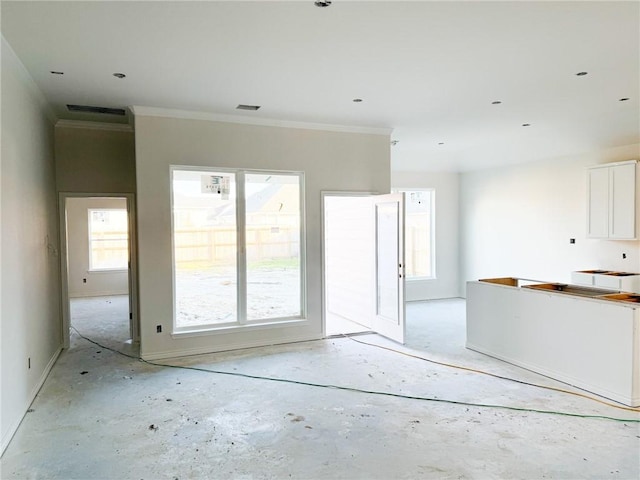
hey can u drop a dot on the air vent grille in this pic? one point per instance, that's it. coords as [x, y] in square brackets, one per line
[101, 110]
[247, 107]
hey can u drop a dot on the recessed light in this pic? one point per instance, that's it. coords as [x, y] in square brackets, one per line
[496, 102]
[55, 72]
[357, 100]
[119, 75]
[581, 74]
[322, 3]
[248, 107]
[526, 124]
[624, 99]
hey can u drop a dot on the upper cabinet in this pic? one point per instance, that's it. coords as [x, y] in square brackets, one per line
[612, 204]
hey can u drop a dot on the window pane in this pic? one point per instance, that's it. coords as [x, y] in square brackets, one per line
[108, 239]
[418, 234]
[273, 246]
[204, 240]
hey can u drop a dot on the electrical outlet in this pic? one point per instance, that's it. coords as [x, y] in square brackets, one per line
[84, 280]
[624, 255]
[572, 240]
[158, 328]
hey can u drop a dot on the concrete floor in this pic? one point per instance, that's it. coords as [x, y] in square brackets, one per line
[124, 419]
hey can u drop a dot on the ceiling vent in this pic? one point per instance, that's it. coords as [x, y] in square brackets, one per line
[248, 107]
[100, 110]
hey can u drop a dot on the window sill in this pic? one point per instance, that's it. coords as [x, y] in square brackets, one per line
[109, 270]
[235, 328]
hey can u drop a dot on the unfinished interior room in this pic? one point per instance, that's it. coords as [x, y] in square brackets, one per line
[320, 240]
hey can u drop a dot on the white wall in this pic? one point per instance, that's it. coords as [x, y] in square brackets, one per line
[517, 221]
[97, 283]
[446, 283]
[30, 323]
[330, 160]
[350, 266]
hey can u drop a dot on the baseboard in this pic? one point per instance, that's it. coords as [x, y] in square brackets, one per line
[6, 438]
[223, 348]
[561, 377]
[106, 293]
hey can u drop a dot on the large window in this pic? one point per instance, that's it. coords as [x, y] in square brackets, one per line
[237, 243]
[108, 239]
[419, 233]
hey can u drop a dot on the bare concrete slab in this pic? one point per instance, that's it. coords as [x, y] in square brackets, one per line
[101, 415]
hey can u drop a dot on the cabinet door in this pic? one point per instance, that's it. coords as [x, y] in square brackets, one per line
[598, 215]
[622, 195]
[607, 281]
[581, 278]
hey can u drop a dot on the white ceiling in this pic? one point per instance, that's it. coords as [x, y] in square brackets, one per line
[428, 70]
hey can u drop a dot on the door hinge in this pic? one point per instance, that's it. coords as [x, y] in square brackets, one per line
[130, 316]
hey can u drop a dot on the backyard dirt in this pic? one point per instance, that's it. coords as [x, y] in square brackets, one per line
[205, 297]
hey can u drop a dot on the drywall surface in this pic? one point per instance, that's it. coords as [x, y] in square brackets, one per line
[445, 284]
[97, 282]
[331, 161]
[350, 258]
[517, 221]
[94, 159]
[30, 322]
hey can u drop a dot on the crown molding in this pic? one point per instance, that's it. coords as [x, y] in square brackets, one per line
[242, 119]
[86, 125]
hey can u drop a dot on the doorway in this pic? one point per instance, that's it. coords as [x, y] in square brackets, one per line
[363, 264]
[98, 268]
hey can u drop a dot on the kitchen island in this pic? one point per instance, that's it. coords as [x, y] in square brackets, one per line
[586, 337]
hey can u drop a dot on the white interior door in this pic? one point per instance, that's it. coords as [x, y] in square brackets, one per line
[389, 318]
[363, 251]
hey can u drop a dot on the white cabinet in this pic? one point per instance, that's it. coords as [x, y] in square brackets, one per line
[622, 281]
[612, 205]
[587, 342]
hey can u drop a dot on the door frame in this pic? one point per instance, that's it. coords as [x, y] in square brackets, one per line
[134, 324]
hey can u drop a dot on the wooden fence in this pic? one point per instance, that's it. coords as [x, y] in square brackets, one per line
[217, 245]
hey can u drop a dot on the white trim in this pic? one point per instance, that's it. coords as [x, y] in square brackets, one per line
[228, 328]
[104, 293]
[181, 352]
[64, 270]
[323, 276]
[29, 82]
[432, 231]
[241, 249]
[243, 119]
[241, 320]
[613, 164]
[628, 400]
[108, 270]
[83, 124]
[6, 439]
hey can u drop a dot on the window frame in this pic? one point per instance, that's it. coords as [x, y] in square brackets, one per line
[90, 241]
[241, 254]
[432, 230]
